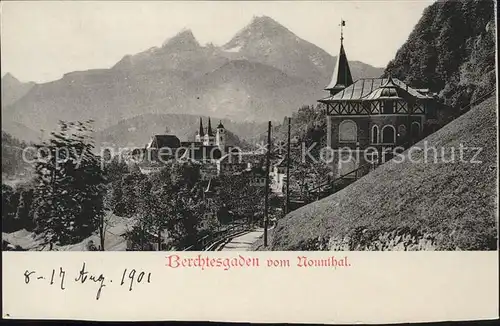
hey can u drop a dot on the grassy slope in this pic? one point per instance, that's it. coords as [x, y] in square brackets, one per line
[457, 200]
[114, 240]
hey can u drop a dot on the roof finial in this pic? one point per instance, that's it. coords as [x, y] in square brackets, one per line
[342, 24]
[220, 126]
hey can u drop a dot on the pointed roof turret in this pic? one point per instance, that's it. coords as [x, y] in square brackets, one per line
[201, 132]
[209, 131]
[220, 126]
[342, 77]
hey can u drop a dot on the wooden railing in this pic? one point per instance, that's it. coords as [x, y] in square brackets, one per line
[210, 239]
[352, 175]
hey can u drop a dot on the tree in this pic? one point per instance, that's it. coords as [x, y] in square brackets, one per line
[451, 51]
[188, 209]
[24, 209]
[12, 160]
[146, 209]
[10, 201]
[105, 220]
[125, 196]
[169, 200]
[238, 196]
[187, 205]
[114, 170]
[68, 198]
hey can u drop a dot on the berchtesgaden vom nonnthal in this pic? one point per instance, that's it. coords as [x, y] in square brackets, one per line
[360, 126]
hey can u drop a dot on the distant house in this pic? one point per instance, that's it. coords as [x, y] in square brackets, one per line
[203, 154]
[256, 176]
[231, 163]
[208, 170]
[191, 143]
[164, 141]
[160, 149]
[278, 176]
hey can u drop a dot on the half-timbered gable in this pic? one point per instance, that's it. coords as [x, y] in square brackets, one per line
[378, 96]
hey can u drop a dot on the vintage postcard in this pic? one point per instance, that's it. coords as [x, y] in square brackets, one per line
[258, 161]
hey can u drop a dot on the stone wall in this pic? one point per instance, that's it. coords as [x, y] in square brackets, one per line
[363, 240]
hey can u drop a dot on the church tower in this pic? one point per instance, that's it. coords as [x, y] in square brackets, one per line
[342, 77]
[200, 134]
[220, 138]
[209, 136]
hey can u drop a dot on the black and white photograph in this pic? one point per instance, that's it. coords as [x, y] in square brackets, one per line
[249, 126]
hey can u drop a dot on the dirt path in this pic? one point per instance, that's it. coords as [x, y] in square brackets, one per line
[243, 242]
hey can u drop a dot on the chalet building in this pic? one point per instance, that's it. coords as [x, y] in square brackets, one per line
[369, 113]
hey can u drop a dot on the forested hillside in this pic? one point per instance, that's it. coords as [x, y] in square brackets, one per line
[138, 130]
[413, 204]
[12, 159]
[451, 51]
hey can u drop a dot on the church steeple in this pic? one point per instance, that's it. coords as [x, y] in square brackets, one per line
[209, 131]
[201, 132]
[342, 77]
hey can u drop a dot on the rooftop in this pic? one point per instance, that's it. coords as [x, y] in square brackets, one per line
[162, 141]
[342, 74]
[363, 88]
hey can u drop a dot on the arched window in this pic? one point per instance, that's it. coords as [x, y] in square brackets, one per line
[348, 131]
[388, 134]
[375, 135]
[402, 130]
[415, 130]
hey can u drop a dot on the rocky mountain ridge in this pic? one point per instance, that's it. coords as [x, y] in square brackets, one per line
[263, 73]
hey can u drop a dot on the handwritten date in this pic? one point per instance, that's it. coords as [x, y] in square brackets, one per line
[129, 278]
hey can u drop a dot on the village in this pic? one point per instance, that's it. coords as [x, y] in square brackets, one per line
[204, 174]
[215, 158]
[366, 121]
[250, 161]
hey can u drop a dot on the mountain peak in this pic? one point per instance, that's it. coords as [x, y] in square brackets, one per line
[265, 24]
[261, 30]
[184, 40]
[264, 20]
[9, 78]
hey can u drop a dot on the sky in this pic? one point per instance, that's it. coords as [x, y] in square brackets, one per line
[42, 40]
